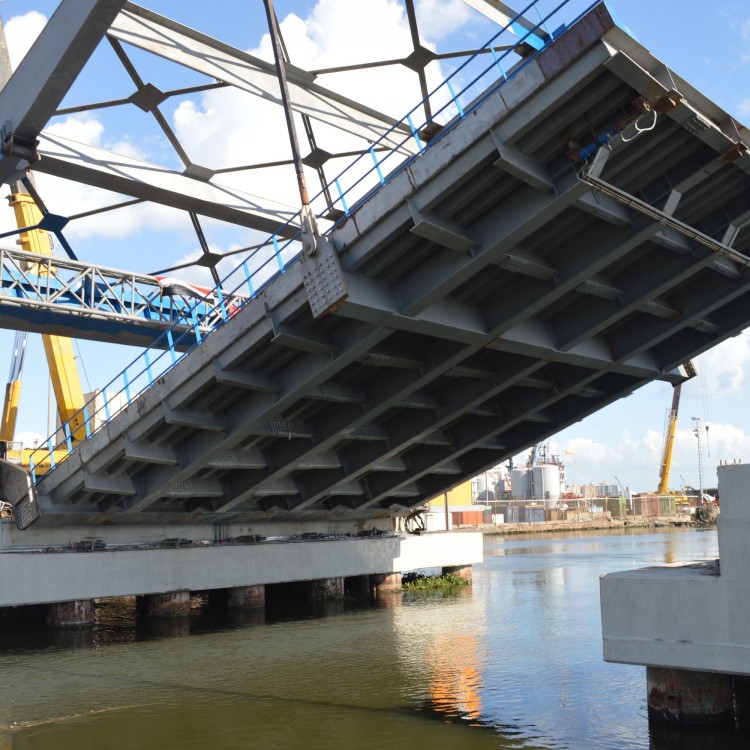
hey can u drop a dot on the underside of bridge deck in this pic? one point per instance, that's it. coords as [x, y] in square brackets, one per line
[579, 234]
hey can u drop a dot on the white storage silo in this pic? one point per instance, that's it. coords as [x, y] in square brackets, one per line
[520, 484]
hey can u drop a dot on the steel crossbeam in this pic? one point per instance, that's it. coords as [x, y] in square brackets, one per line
[63, 157]
[46, 73]
[147, 30]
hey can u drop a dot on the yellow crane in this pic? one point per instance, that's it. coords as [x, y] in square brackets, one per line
[669, 437]
[63, 371]
[666, 456]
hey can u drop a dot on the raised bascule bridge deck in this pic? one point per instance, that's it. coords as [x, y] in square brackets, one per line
[579, 232]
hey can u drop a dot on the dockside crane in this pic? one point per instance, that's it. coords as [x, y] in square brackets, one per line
[669, 438]
[668, 447]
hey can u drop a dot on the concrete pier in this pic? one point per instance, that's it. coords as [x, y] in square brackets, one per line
[78, 613]
[687, 623]
[385, 583]
[246, 597]
[681, 696]
[173, 604]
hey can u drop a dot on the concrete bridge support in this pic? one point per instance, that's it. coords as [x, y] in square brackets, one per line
[687, 624]
[237, 576]
[682, 696]
[385, 583]
[78, 613]
[173, 604]
[246, 597]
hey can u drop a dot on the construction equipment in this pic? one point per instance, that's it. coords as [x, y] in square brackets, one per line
[63, 371]
[697, 431]
[681, 501]
[623, 493]
[666, 456]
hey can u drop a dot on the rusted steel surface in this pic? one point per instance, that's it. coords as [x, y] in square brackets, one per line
[681, 696]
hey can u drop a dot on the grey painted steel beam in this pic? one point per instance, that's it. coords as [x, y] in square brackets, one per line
[468, 435]
[71, 160]
[49, 69]
[164, 37]
[413, 429]
[442, 232]
[512, 161]
[504, 15]
[253, 413]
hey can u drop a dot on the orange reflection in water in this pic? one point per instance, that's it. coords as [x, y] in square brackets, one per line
[456, 677]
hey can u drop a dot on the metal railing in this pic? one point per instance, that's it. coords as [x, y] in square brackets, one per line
[466, 88]
[32, 281]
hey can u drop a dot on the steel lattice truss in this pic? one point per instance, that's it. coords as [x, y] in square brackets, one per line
[29, 101]
[582, 232]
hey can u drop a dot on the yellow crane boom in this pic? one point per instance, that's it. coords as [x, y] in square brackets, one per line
[666, 457]
[66, 382]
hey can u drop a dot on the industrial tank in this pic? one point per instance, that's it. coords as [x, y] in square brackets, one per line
[520, 484]
[547, 483]
[541, 482]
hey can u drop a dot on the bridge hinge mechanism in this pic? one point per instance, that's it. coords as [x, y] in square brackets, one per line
[324, 278]
[17, 489]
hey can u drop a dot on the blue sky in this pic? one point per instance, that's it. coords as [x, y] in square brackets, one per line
[707, 44]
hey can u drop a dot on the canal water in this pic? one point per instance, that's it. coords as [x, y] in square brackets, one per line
[514, 662]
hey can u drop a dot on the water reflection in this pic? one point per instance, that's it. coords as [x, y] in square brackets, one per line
[455, 682]
[514, 661]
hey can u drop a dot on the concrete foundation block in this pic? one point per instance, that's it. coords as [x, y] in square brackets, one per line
[172, 604]
[385, 583]
[682, 696]
[78, 613]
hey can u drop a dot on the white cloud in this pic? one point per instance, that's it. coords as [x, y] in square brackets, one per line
[637, 459]
[67, 197]
[80, 128]
[21, 32]
[725, 367]
[440, 18]
[227, 123]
